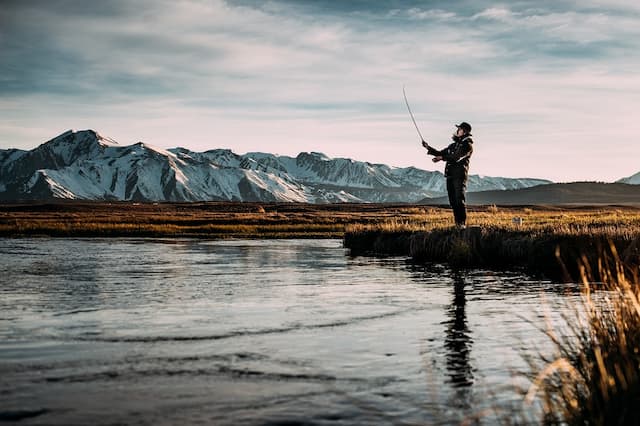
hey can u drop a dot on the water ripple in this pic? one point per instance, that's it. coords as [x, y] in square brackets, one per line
[256, 332]
[242, 333]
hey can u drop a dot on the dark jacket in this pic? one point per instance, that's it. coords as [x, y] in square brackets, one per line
[457, 156]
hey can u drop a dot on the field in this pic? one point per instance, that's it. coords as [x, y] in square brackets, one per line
[278, 220]
[197, 220]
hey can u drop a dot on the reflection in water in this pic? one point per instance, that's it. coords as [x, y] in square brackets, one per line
[458, 345]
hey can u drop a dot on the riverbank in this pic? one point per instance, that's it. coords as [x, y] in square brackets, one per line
[498, 237]
[557, 249]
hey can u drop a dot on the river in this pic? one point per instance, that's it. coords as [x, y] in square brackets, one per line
[259, 332]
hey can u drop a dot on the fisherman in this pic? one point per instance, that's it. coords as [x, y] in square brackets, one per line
[456, 171]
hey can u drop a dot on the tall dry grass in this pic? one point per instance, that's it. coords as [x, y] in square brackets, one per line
[601, 221]
[209, 220]
[297, 220]
[493, 239]
[594, 376]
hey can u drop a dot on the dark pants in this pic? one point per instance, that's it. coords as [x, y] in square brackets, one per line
[456, 188]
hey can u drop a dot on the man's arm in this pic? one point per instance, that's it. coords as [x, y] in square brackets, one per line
[453, 156]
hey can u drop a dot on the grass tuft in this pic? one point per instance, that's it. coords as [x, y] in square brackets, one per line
[594, 377]
[494, 239]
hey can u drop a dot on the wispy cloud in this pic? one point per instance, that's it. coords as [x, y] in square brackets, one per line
[546, 84]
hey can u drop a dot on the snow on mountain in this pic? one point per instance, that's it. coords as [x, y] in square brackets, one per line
[632, 180]
[10, 155]
[85, 165]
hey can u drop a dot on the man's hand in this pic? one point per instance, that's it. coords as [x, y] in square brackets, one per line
[436, 159]
[425, 144]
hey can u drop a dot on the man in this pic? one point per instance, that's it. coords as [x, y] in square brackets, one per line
[456, 171]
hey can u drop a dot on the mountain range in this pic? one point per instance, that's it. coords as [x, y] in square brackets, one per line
[85, 165]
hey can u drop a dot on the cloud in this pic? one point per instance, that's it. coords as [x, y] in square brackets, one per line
[496, 13]
[429, 14]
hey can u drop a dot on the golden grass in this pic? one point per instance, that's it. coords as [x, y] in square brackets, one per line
[494, 239]
[207, 220]
[257, 220]
[594, 377]
[605, 221]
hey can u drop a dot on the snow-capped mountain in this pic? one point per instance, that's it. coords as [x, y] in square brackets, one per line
[85, 165]
[632, 180]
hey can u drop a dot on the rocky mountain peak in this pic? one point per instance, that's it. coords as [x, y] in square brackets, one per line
[85, 165]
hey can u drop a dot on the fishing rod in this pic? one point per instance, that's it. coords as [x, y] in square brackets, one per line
[424, 143]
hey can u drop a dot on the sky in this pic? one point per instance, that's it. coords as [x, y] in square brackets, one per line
[551, 88]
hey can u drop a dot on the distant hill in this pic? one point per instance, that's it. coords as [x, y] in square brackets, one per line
[634, 179]
[557, 193]
[84, 165]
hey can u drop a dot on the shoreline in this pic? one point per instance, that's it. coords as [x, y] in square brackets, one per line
[498, 237]
[557, 256]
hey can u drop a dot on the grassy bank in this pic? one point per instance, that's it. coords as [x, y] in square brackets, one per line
[547, 241]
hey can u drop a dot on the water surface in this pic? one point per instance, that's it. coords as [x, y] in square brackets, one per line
[256, 332]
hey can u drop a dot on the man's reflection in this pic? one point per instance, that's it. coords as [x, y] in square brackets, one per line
[457, 340]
